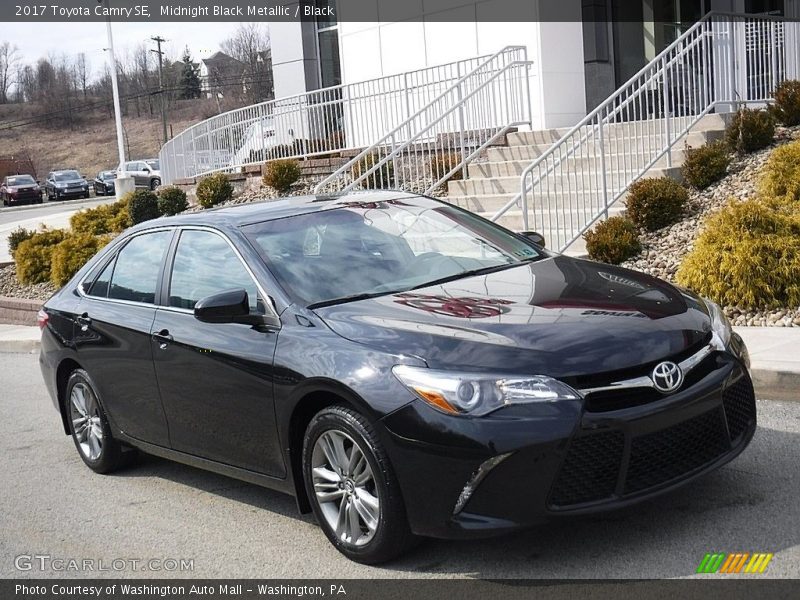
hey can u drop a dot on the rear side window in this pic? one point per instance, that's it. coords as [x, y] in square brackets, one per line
[204, 265]
[136, 269]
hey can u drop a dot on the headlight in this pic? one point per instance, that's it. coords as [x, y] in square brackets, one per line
[719, 324]
[480, 393]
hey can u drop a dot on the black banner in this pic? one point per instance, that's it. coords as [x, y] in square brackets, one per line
[358, 589]
[310, 10]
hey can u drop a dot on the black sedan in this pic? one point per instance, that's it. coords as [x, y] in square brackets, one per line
[104, 183]
[403, 367]
[20, 189]
[67, 183]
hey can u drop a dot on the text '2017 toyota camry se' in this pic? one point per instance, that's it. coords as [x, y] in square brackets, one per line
[401, 366]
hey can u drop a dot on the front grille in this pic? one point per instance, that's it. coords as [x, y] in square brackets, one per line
[740, 407]
[629, 397]
[609, 377]
[590, 470]
[662, 456]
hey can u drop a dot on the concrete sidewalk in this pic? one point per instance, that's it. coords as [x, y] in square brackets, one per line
[774, 353]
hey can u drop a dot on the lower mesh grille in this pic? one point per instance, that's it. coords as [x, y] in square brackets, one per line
[740, 407]
[661, 456]
[590, 470]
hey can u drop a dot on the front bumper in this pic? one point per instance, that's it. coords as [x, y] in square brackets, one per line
[564, 459]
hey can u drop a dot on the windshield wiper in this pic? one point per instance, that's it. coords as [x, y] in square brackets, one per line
[474, 272]
[345, 299]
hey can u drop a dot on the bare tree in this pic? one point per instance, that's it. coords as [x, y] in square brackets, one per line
[250, 45]
[83, 69]
[9, 58]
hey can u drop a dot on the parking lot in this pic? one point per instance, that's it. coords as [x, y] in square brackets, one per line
[53, 505]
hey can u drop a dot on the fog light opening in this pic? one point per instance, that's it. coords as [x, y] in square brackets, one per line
[475, 479]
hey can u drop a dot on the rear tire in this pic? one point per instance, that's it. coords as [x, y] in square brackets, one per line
[89, 426]
[352, 487]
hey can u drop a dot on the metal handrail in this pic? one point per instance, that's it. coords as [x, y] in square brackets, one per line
[700, 72]
[319, 122]
[408, 123]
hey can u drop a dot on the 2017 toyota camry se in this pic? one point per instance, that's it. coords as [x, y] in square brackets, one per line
[403, 367]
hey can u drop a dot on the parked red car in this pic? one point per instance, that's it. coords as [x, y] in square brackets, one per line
[20, 189]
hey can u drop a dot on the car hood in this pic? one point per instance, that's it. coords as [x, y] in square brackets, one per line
[558, 316]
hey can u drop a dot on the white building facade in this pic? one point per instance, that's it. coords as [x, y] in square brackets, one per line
[576, 62]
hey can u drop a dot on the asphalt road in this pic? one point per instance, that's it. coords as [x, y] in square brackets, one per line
[51, 504]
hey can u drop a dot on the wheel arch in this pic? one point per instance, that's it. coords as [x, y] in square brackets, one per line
[65, 368]
[312, 399]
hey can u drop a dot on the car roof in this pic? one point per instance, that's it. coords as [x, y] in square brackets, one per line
[270, 209]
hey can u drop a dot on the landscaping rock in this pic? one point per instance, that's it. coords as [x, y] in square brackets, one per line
[663, 250]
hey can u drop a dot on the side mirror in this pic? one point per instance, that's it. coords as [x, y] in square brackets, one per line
[231, 306]
[534, 236]
[224, 307]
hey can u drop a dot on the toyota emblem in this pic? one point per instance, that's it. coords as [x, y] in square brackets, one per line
[667, 377]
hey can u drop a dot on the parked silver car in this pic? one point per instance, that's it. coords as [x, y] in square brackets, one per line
[146, 173]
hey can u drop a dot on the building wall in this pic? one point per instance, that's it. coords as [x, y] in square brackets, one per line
[295, 66]
[382, 47]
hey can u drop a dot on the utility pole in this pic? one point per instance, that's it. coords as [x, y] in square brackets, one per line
[124, 182]
[159, 40]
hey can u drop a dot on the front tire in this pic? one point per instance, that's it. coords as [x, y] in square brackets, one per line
[89, 427]
[154, 184]
[353, 491]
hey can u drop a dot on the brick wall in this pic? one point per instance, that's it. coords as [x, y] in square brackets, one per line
[250, 177]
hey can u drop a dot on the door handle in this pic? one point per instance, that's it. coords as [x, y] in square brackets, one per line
[84, 321]
[163, 338]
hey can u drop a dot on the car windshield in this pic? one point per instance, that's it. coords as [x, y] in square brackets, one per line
[21, 180]
[108, 175]
[66, 176]
[153, 164]
[372, 248]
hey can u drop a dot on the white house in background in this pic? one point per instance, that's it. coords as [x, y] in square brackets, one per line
[576, 64]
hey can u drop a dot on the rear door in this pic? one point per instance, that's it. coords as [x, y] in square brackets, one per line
[115, 319]
[216, 380]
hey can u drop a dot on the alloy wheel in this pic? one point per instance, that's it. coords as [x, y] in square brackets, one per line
[344, 487]
[86, 421]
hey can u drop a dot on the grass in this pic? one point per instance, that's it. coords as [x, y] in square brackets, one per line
[92, 146]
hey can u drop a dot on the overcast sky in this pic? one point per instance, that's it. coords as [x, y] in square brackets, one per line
[35, 40]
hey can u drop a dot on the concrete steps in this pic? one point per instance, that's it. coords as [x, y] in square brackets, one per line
[571, 196]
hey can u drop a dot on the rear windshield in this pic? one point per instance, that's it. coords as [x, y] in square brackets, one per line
[21, 180]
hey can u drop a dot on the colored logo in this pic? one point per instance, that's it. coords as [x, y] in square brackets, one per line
[738, 562]
[667, 377]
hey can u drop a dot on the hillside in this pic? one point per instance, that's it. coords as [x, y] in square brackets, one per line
[92, 146]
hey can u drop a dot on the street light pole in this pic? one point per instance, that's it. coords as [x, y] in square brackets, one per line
[124, 184]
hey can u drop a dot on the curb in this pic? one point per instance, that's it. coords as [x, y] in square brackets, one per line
[19, 347]
[769, 384]
[776, 385]
[46, 203]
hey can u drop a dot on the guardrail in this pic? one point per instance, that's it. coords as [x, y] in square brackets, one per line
[335, 119]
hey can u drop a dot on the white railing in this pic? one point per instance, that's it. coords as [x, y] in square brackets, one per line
[441, 138]
[722, 62]
[329, 120]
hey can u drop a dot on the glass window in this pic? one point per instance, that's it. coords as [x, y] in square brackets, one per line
[382, 247]
[205, 264]
[100, 285]
[137, 267]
